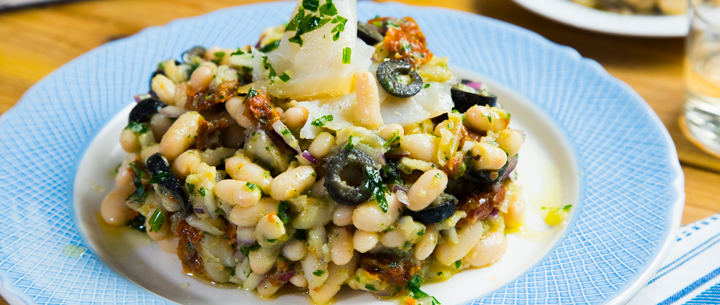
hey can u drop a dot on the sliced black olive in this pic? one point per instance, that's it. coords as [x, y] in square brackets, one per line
[389, 75]
[144, 109]
[484, 179]
[198, 51]
[346, 177]
[369, 33]
[169, 185]
[464, 99]
[390, 174]
[435, 214]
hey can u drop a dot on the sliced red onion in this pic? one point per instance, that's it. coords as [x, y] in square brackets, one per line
[199, 210]
[512, 163]
[284, 133]
[494, 213]
[401, 195]
[239, 256]
[286, 276]
[140, 97]
[172, 111]
[308, 156]
[474, 85]
[399, 188]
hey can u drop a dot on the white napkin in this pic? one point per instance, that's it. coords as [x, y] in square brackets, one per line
[691, 272]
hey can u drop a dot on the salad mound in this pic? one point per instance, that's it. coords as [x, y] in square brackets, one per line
[331, 153]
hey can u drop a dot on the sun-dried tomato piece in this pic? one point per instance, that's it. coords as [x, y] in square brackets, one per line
[453, 167]
[260, 110]
[405, 40]
[189, 249]
[479, 206]
[389, 268]
[199, 100]
[209, 133]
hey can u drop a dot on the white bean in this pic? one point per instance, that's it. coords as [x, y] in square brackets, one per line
[262, 260]
[247, 217]
[447, 253]
[164, 230]
[421, 146]
[236, 108]
[266, 288]
[510, 141]
[483, 118]
[238, 193]
[253, 280]
[391, 130]
[184, 163]
[299, 280]
[321, 145]
[201, 77]
[367, 106]
[180, 96]
[393, 239]
[159, 124]
[129, 141]
[269, 230]
[426, 189]
[338, 275]
[315, 270]
[364, 241]
[516, 211]
[489, 250]
[294, 250]
[341, 246]
[427, 244]
[164, 88]
[343, 215]
[295, 117]
[369, 217]
[292, 182]
[113, 209]
[240, 167]
[181, 135]
[125, 173]
[491, 157]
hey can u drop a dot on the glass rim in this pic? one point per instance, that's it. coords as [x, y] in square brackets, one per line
[695, 15]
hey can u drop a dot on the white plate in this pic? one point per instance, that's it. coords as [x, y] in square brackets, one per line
[579, 16]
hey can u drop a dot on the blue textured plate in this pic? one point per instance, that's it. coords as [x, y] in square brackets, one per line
[631, 185]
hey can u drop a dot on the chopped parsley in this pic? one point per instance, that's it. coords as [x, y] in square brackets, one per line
[463, 168]
[311, 5]
[161, 66]
[300, 235]
[202, 191]
[218, 57]
[284, 77]
[238, 52]
[458, 264]
[161, 176]
[270, 46]
[137, 128]
[245, 250]
[370, 287]
[271, 240]
[286, 131]
[413, 288]
[322, 120]
[139, 194]
[318, 272]
[376, 187]
[251, 93]
[350, 143]
[339, 22]
[283, 210]
[567, 208]
[421, 233]
[426, 86]
[304, 23]
[328, 9]
[395, 137]
[190, 187]
[156, 220]
[347, 53]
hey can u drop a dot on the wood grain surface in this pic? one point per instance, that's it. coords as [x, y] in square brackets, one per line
[35, 41]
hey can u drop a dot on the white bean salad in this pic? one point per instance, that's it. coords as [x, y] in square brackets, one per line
[333, 152]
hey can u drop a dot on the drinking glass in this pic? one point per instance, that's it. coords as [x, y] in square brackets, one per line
[701, 116]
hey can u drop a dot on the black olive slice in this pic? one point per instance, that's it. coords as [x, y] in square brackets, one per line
[388, 73]
[198, 51]
[169, 185]
[434, 214]
[464, 100]
[346, 178]
[369, 33]
[144, 109]
[484, 179]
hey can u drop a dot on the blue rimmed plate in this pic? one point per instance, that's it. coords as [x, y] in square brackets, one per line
[590, 137]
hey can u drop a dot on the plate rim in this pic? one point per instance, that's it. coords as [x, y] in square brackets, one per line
[617, 297]
[624, 25]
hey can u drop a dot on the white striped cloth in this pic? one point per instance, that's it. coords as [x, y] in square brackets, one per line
[691, 272]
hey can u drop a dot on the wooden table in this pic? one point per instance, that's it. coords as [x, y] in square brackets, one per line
[37, 41]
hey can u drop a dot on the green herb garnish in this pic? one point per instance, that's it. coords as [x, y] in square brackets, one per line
[370, 287]
[376, 187]
[322, 120]
[318, 272]
[413, 288]
[347, 53]
[270, 46]
[245, 250]
[161, 176]
[137, 128]
[283, 210]
[156, 220]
